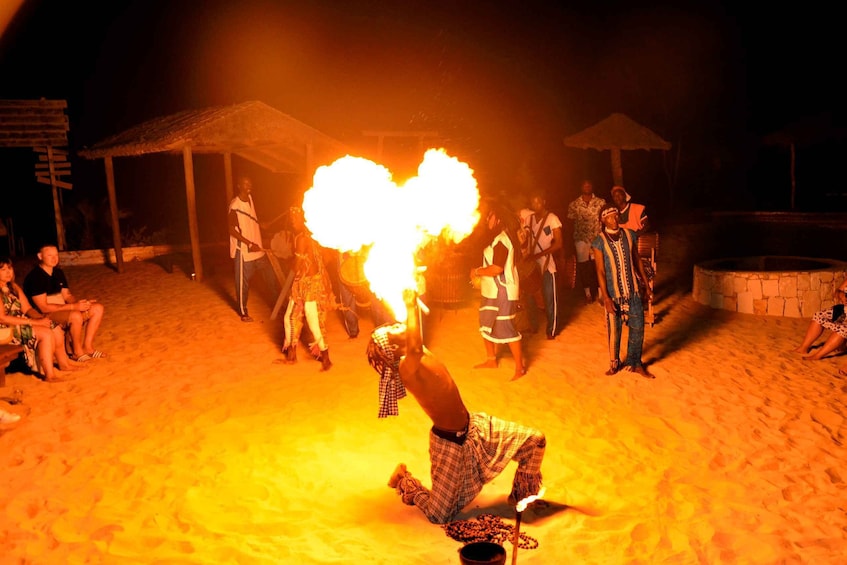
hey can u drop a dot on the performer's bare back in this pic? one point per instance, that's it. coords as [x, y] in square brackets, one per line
[428, 379]
[435, 390]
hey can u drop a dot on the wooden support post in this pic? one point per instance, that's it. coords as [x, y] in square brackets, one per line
[57, 207]
[113, 210]
[310, 164]
[191, 201]
[228, 176]
[793, 175]
[617, 168]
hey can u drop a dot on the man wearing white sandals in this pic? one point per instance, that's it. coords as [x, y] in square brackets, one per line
[47, 289]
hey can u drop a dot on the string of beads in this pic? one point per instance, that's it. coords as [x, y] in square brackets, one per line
[487, 527]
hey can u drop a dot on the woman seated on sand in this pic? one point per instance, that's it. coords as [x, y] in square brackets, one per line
[42, 340]
[833, 319]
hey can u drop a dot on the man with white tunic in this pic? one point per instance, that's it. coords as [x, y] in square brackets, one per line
[245, 246]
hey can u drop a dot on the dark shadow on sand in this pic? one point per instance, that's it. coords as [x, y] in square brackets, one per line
[536, 512]
[672, 291]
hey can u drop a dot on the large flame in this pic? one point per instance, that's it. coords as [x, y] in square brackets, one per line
[354, 205]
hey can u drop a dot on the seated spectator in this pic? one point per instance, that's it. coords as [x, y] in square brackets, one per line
[47, 289]
[42, 339]
[833, 319]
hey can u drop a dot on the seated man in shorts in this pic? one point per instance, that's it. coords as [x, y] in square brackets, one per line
[47, 289]
[466, 449]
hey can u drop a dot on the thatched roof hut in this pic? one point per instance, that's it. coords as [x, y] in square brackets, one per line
[252, 130]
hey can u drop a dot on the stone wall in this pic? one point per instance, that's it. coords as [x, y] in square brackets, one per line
[692, 239]
[792, 294]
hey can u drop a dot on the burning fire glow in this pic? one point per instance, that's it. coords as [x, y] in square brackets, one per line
[522, 504]
[354, 205]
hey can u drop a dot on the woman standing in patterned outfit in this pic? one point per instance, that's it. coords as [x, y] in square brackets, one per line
[500, 291]
[311, 294]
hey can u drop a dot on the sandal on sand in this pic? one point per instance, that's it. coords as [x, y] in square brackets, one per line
[96, 354]
[8, 417]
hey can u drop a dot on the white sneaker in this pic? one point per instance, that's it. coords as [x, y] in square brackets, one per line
[8, 417]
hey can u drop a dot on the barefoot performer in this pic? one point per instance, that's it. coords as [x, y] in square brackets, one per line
[499, 287]
[623, 282]
[467, 450]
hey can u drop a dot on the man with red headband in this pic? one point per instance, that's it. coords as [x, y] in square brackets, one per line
[467, 449]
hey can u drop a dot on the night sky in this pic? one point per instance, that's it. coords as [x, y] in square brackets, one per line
[503, 83]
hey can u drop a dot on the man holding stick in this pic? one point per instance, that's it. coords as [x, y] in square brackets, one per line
[245, 246]
[467, 450]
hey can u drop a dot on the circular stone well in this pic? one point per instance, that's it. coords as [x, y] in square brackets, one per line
[768, 285]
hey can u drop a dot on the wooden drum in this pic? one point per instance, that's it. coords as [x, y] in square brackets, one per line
[352, 275]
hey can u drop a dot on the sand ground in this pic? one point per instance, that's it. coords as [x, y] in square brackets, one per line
[188, 444]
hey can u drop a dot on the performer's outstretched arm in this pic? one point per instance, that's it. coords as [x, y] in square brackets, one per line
[414, 339]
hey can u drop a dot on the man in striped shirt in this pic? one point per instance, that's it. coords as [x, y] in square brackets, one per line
[623, 282]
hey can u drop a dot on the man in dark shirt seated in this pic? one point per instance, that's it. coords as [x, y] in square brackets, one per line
[47, 289]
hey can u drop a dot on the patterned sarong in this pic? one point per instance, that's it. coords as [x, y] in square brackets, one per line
[460, 471]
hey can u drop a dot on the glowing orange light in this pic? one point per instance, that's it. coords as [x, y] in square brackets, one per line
[522, 504]
[354, 205]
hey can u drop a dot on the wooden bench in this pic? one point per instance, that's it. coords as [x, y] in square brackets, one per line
[8, 353]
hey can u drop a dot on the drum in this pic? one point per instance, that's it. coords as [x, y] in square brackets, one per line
[352, 275]
[529, 274]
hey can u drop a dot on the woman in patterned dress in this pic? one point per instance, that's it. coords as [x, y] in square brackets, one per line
[42, 339]
[833, 319]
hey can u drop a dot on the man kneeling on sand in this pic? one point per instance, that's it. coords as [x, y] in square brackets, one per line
[467, 450]
[47, 289]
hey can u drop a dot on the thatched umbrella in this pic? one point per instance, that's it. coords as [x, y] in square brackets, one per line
[808, 131]
[615, 133]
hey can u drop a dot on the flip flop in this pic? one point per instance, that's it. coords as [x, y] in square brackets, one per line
[83, 358]
[97, 354]
[8, 417]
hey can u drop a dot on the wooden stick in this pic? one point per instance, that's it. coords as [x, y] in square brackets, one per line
[517, 537]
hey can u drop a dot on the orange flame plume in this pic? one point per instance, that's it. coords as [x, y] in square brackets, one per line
[354, 205]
